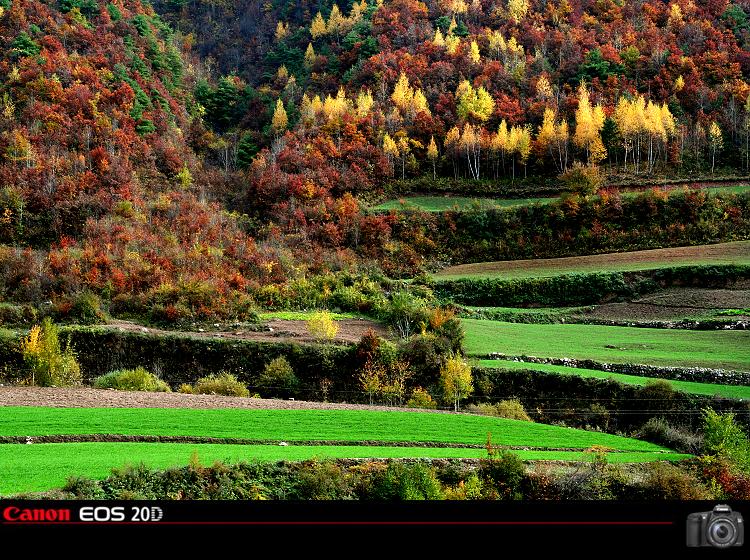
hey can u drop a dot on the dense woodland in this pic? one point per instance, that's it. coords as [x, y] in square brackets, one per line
[194, 155]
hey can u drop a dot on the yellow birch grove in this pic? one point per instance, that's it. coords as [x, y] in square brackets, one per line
[408, 100]
[643, 127]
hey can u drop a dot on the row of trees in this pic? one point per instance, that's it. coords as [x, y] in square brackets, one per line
[646, 132]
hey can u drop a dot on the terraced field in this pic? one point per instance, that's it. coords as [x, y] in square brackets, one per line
[707, 389]
[34, 468]
[448, 202]
[736, 252]
[341, 433]
[659, 347]
[443, 203]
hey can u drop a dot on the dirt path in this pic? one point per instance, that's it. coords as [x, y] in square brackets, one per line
[84, 397]
[277, 330]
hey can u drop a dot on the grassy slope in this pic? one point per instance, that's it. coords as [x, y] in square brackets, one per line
[736, 252]
[31, 468]
[442, 203]
[291, 425]
[709, 389]
[659, 347]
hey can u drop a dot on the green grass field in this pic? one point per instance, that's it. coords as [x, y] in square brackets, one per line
[708, 389]
[735, 252]
[443, 203]
[33, 468]
[659, 347]
[298, 425]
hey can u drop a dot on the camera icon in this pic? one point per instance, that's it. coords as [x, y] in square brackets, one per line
[720, 528]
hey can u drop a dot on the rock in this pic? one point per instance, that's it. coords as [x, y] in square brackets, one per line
[201, 330]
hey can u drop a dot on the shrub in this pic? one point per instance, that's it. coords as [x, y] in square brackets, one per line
[658, 430]
[469, 489]
[323, 480]
[401, 481]
[186, 388]
[221, 384]
[322, 326]
[721, 474]
[87, 309]
[420, 399]
[502, 475]
[278, 378]
[49, 363]
[138, 379]
[11, 314]
[512, 409]
[669, 482]
[583, 180]
[724, 438]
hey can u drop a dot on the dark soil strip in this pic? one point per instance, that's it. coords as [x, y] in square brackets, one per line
[119, 438]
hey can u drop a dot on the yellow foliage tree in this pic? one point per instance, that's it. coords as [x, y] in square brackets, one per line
[390, 148]
[679, 83]
[310, 55]
[452, 43]
[364, 103]
[589, 123]
[336, 22]
[455, 380]
[715, 141]
[476, 104]
[474, 54]
[318, 26]
[544, 88]
[439, 40]
[279, 122]
[432, 154]
[282, 30]
[517, 9]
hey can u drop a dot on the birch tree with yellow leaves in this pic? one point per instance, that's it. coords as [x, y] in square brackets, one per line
[589, 124]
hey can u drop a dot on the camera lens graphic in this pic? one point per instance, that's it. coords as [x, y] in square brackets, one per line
[722, 532]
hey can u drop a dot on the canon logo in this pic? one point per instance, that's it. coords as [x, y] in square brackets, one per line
[15, 514]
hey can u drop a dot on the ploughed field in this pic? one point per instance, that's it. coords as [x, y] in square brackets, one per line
[238, 434]
[735, 252]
